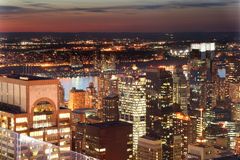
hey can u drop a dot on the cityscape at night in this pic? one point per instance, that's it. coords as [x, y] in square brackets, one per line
[120, 80]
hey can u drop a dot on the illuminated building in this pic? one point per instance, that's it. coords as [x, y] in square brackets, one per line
[107, 84]
[114, 84]
[81, 98]
[149, 148]
[103, 89]
[91, 96]
[234, 93]
[233, 69]
[132, 103]
[159, 116]
[237, 147]
[236, 112]
[202, 93]
[165, 120]
[202, 149]
[206, 49]
[181, 90]
[105, 141]
[76, 99]
[105, 62]
[81, 116]
[178, 52]
[216, 135]
[222, 88]
[175, 132]
[30, 105]
[110, 108]
[231, 132]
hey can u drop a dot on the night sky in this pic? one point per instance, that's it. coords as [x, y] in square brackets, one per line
[119, 15]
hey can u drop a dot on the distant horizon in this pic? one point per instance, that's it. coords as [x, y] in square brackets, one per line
[124, 32]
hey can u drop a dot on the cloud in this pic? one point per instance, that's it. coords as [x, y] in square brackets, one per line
[170, 5]
[40, 5]
[45, 7]
[11, 9]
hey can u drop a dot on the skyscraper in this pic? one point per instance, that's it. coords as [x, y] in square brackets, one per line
[165, 121]
[201, 85]
[132, 103]
[181, 90]
[159, 92]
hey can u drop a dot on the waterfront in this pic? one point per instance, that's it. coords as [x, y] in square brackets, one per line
[78, 83]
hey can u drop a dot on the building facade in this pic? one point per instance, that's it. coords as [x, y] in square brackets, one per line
[149, 148]
[132, 104]
[110, 108]
[105, 141]
[30, 105]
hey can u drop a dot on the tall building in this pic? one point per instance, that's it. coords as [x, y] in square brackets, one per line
[232, 133]
[105, 141]
[236, 112]
[76, 99]
[159, 95]
[110, 108]
[165, 121]
[132, 103]
[181, 90]
[30, 105]
[103, 88]
[202, 93]
[106, 84]
[91, 99]
[149, 148]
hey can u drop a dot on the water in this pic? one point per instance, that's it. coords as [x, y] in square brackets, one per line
[78, 83]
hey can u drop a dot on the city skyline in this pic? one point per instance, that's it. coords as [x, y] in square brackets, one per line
[120, 80]
[120, 16]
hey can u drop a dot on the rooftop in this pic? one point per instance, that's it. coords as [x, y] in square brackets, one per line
[107, 124]
[152, 138]
[10, 108]
[84, 110]
[74, 89]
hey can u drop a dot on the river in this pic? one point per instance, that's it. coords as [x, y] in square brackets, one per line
[78, 83]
